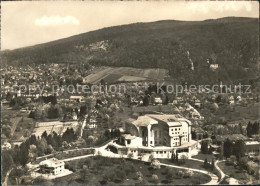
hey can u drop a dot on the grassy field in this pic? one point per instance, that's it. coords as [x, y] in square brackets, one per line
[125, 74]
[97, 170]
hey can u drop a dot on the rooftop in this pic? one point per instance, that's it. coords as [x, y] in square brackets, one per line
[53, 162]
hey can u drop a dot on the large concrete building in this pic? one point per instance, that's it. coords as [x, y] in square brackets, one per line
[160, 130]
[157, 134]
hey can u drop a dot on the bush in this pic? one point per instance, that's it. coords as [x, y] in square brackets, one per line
[139, 174]
[188, 173]
[155, 178]
[180, 174]
[155, 164]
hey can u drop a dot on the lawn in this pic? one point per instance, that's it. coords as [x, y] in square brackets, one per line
[101, 170]
[204, 156]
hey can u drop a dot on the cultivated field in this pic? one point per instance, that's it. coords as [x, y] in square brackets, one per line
[125, 74]
[57, 126]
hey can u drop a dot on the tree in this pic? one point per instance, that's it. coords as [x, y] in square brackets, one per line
[130, 155]
[227, 148]
[180, 174]
[173, 156]
[44, 135]
[249, 129]
[204, 147]
[239, 148]
[193, 135]
[139, 174]
[155, 164]
[42, 146]
[155, 178]
[188, 173]
[212, 164]
[88, 162]
[205, 164]
[177, 157]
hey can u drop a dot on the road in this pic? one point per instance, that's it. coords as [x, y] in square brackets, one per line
[222, 174]
[6, 177]
[15, 122]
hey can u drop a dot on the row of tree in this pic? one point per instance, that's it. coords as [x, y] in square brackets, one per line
[252, 128]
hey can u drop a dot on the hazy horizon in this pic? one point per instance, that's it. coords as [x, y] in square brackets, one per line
[44, 22]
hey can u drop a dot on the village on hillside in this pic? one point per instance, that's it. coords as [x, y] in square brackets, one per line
[52, 135]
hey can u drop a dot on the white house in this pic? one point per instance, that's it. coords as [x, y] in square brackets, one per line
[52, 166]
[6, 146]
[213, 66]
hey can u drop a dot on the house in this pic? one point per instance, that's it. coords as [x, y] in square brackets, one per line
[157, 100]
[252, 147]
[6, 146]
[157, 134]
[213, 66]
[52, 166]
[77, 98]
[231, 100]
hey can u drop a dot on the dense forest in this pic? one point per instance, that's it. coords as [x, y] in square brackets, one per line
[230, 42]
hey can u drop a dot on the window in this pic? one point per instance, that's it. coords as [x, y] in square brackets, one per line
[176, 129]
[179, 128]
[172, 129]
[151, 142]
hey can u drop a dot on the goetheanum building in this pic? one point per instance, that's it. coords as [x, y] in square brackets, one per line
[157, 134]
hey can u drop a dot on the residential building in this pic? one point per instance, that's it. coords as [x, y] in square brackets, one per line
[52, 166]
[252, 147]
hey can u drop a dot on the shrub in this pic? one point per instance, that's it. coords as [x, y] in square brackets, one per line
[139, 174]
[188, 173]
[130, 155]
[180, 174]
[155, 164]
[155, 178]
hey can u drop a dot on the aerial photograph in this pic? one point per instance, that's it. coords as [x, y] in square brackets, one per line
[130, 93]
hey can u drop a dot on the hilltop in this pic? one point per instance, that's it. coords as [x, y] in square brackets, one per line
[185, 48]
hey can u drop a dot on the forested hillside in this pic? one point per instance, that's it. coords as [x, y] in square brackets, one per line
[185, 48]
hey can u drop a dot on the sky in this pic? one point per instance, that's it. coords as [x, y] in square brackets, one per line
[26, 23]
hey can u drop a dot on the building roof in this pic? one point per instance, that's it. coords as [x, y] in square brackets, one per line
[144, 121]
[170, 119]
[128, 137]
[53, 162]
[252, 143]
[150, 119]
